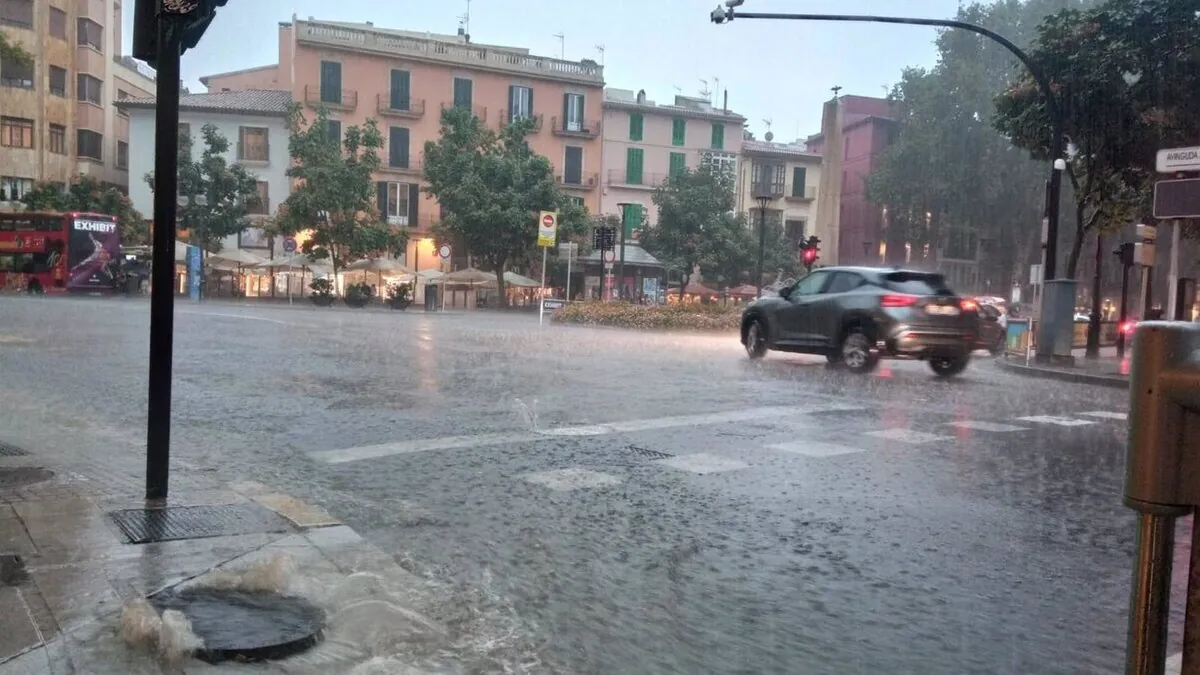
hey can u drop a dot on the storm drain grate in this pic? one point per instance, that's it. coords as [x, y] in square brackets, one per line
[23, 475]
[12, 570]
[648, 453]
[144, 526]
[10, 450]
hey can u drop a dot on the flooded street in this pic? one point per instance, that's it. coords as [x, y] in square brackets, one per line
[603, 501]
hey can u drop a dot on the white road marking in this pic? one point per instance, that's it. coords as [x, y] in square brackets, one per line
[815, 448]
[1106, 415]
[987, 426]
[1055, 419]
[630, 426]
[908, 436]
[1174, 664]
[233, 316]
[565, 480]
[702, 463]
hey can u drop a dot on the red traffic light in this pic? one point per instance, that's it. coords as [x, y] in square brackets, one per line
[810, 255]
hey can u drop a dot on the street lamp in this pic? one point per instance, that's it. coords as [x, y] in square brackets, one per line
[767, 186]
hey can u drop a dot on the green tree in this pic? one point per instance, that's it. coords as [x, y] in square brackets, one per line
[11, 51]
[335, 198]
[1125, 76]
[228, 190]
[697, 225]
[88, 194]
[491, 187]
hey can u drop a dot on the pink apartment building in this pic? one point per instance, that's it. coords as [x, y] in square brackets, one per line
[403, 79]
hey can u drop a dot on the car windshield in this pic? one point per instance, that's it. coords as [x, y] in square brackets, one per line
[916, 283]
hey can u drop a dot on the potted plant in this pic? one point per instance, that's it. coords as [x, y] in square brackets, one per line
[358, 295]
[400, 296]
[322, 292]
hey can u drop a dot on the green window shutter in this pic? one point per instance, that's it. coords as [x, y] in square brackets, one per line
[799, 181]
[718, 136]
[678, 163]
[635, 126]
[462, 93]
[331, 82]
[633, 166]
[678, 131]
[400, 90]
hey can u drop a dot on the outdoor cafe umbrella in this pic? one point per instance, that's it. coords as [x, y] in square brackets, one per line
[469, 276]
[296, 262]
[379, 265]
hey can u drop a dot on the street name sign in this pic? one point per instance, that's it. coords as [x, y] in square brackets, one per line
[1175, 160]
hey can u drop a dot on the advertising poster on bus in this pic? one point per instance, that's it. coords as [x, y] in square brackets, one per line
[93, 253]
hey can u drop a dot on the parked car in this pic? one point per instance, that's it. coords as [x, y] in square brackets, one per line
[993, 330]
[855, 316]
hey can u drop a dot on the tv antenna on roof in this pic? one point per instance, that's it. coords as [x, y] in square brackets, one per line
[704, 90]
[465, 20]
[769, 136]
[562, 45]
[836, 89]
[600, 48]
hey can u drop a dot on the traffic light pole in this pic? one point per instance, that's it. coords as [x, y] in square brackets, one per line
[162, 292]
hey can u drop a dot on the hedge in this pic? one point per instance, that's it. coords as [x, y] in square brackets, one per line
[661, 317]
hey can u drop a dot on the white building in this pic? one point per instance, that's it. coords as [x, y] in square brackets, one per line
[255, 124]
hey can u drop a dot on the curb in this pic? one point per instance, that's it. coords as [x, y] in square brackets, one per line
[1110, 381]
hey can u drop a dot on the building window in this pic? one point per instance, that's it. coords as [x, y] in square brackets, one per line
[462, 93]
[678, 163]
[678, 131]
[17, 13]
[577, 201]
[17, 75]
[520, 103]
[331, 82]
[334, 130]
[122, 155]
[16, 132]
[262, 204]
[58, 139]
[719, 163]
[799, 181]
[794, 229]
[394, 202]
[573, 112]
[88, 88]
[58, 81]
[718, 136]
[768, 179]
[121, 96]
[58, 23]
[89, 145]
[573, 165]
[636, 126]
[252, 144]
[89, 33]
[398, 147]
[400, 94]
[185, 130]
[633, 166]
[13, 189]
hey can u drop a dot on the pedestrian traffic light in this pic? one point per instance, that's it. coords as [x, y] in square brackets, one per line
[810, 251]
[191, 19]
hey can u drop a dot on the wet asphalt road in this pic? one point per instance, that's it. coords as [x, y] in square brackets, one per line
[616, 502]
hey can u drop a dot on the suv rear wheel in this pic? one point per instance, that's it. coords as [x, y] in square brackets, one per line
[856, 353]
[949, 366]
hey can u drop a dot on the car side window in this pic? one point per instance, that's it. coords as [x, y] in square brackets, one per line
[809, 285]
[843, 282]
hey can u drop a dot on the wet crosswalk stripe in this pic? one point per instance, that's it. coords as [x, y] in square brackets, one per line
[1057, 420]
[974, 425]
[815, 448]
[1106, 415]
[702, 463]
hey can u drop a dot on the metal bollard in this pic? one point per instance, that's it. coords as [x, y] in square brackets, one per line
[1162, 482]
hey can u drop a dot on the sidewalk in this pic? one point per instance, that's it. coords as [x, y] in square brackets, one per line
[1105, 371]
[66, 574]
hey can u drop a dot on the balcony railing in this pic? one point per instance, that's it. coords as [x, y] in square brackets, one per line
[345, 99]
[586, 181]
[645, 180]
[477, 110]
[413, 167]
[414, 107]
[506, 119]
[808, 194]
[429, 49]
[563, 127]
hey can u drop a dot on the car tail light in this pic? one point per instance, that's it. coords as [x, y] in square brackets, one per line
[892, 300]
[1128, 327]
[969, 306]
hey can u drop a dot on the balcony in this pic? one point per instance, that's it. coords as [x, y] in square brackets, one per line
[506, 119]
[581, 130]
[396, 45]
[810, 193]
[413, 169]
[415, 109]
[477, 110]
[647, 181]
[587, 181]
[346, 99]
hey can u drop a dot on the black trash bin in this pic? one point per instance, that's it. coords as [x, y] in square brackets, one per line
[431, 297]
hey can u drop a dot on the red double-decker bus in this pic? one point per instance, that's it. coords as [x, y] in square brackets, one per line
[59, 252]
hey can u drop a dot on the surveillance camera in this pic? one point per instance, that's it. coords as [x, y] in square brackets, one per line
[734, 3]
[718, 16]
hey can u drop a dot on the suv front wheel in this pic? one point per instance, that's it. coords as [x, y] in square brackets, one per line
[756, 339]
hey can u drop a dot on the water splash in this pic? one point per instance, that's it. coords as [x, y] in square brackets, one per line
[527, 413]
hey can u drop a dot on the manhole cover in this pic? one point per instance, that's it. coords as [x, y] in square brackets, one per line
[10, 450]
[143, 526]
[12, 570]
[236, 625]
[647, 452]
[23, 475]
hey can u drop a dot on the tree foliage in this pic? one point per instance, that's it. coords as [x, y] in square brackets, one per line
[491, 187]
[950, 181]
[228, 190]
[88, 194]
[1126, 78]
[11, 51]
[334, 197]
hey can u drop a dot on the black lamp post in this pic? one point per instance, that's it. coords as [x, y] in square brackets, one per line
[763, 200]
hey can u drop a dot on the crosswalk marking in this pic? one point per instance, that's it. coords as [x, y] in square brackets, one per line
[1055, 419]
[815, 448]
[702, 463]
[565, 480]
[902, 435]
[1106, 415]
[987, 426]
